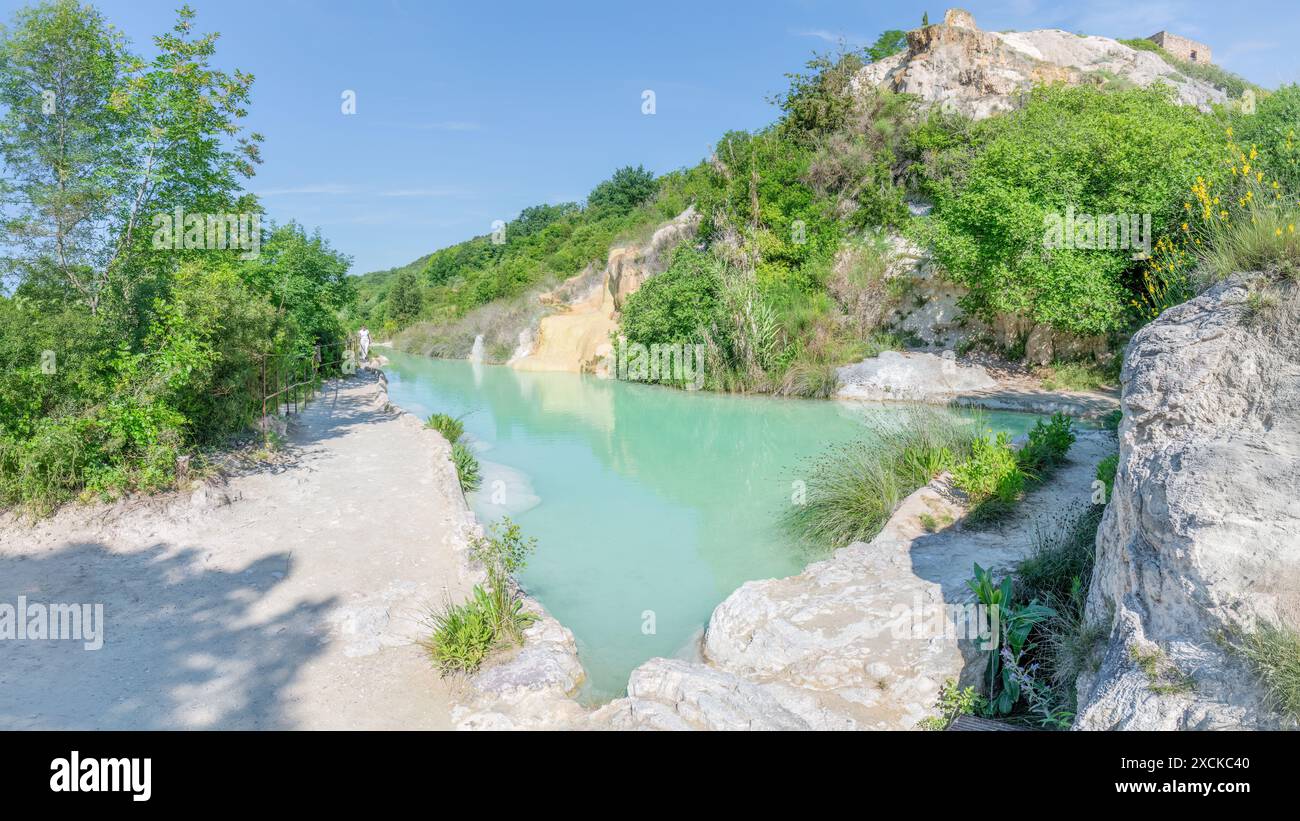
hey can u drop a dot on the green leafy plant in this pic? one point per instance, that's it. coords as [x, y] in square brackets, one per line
[991, 471]
[464, 635]
[1049, 442]
[503, 552]
[467, 468]
[1106, 470]
[953, 701]
[452, 428]
[1006, 678]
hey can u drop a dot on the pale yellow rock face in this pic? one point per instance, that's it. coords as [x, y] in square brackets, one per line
[576, 339]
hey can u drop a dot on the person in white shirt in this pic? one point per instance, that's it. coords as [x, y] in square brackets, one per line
[363, 337]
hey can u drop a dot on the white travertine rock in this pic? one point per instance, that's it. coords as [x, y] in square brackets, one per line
[980, 73]
[911, 376]
[1202, 533]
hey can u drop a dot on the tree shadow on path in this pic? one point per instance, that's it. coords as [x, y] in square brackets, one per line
[185, 646]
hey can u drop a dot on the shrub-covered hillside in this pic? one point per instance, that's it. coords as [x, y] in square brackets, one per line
[795, 275]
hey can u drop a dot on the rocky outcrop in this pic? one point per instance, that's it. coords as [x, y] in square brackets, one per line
[531, 688]
[980, 73]
[577, 337]
[1201, 539]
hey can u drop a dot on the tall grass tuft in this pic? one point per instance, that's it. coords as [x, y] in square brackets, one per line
[852, 491]
[1274, 653]
[1267, 241]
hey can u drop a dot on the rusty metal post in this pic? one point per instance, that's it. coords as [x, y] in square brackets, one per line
[262, 421]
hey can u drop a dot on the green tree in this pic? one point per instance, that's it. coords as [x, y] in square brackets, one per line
[887, 44]
[96, 141]
[307, 282]
[628, 188]
[405, 300]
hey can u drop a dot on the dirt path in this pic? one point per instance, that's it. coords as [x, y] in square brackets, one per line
[286, 598]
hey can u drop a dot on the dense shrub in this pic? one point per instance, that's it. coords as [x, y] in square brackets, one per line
[1049, 440]
[991, 472]
[1271, 130]
[678, 306]
[627, 189]
[1125, 152]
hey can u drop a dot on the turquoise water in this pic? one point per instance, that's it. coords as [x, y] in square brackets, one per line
[650, 505]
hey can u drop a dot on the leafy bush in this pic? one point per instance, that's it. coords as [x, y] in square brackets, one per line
[467, 468]
[627, 189]
[1121, 153]
[1106, 470]
[1245, 222]
[818, 101]
[991, 471]
[852, 491]
[679, 305]
[1271, 130]
[503, 552]
[1049, 442]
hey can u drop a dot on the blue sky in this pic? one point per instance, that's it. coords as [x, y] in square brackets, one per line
[468, 112]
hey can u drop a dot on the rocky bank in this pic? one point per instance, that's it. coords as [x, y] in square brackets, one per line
[1201, 539]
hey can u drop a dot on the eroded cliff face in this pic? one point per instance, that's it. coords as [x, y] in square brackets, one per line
[981, 73]
[577, 337]
[1201, 539]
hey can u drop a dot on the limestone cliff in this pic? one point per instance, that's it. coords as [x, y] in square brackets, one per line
[980, 73]
[1199, 540]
